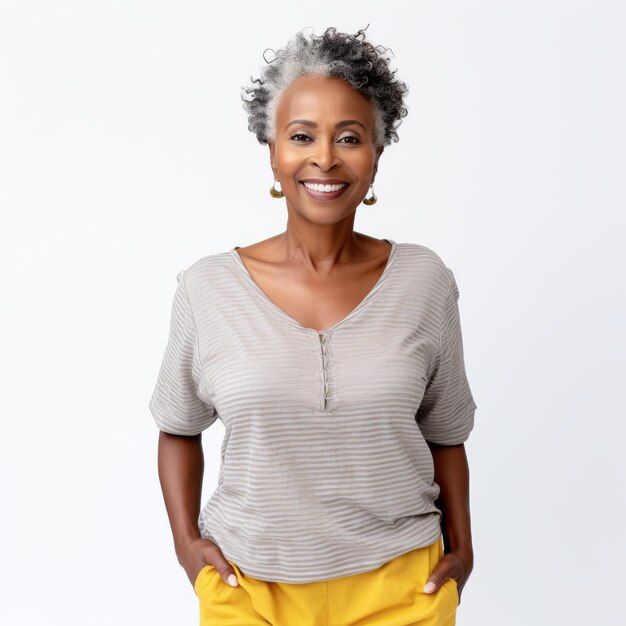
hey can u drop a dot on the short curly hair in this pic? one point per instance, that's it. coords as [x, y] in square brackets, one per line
[336, 55]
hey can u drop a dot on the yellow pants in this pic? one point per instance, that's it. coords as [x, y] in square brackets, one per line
[390, 595]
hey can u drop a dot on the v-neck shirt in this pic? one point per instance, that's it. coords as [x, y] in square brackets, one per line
[325, 468]
[255, 288]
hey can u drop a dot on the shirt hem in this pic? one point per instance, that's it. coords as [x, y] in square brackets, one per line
[283, 574]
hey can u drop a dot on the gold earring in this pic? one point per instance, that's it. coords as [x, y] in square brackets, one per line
[372, 199]
[276, 193]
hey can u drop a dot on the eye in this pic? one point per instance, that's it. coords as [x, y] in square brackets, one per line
[352, 137]
[299, 135]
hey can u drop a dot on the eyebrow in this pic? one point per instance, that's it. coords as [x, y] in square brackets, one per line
[338, 125]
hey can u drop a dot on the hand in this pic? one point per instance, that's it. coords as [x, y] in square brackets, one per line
[198, 553]
[457, 564]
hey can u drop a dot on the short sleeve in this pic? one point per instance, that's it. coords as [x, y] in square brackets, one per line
[175, 404]
[446, 413]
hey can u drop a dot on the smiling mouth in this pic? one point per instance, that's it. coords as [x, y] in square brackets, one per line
[324, 192]
[324, 188]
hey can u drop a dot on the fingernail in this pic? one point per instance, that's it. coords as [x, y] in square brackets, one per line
[232, 580]
[429, 587]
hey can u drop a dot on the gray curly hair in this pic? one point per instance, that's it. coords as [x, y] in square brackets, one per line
[336, 55]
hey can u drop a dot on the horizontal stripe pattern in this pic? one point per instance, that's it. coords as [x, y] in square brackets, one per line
[325, 468]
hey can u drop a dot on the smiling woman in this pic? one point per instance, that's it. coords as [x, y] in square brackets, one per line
[320, 123]
[307, 70]
[335, 362]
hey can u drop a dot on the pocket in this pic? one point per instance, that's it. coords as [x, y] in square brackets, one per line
[453, 587]
[200, 575]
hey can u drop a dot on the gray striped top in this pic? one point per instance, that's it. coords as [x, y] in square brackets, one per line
[325, 470]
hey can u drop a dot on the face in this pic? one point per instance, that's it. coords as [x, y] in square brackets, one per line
[324, 135]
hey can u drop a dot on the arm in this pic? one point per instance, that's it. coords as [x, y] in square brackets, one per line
[452, 475]
[181, 469]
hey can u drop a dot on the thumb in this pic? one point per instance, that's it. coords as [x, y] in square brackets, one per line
[226, 571]
[438, 576]
[215, 557]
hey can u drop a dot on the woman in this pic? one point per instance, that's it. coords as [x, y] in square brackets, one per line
[335, 362]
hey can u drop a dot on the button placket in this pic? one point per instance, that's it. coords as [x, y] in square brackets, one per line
[325, 377]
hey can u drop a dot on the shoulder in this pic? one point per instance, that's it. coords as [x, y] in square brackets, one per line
[205, 272]
[424, 265]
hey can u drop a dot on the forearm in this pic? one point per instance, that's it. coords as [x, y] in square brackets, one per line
[452, 476]
[181, 469]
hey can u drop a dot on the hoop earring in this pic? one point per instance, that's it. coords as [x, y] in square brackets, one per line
[372, 199]
[276, 193]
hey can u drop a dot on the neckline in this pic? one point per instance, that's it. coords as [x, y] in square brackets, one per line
[294, 322]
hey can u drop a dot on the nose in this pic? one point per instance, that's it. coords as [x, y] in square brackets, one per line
[325, 154]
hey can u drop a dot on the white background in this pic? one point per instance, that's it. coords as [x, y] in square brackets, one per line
[125, 156]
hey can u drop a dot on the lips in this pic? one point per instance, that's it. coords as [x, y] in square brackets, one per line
[325, 181]
[324, 195]
[328, 188]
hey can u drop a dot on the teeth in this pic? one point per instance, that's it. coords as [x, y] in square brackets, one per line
[325, 188]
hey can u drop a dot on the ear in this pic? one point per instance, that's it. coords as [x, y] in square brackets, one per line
[272, 147]
[379, 151]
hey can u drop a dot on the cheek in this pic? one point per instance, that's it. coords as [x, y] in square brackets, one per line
[289, 162]
[365, 170]
[363, 164]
